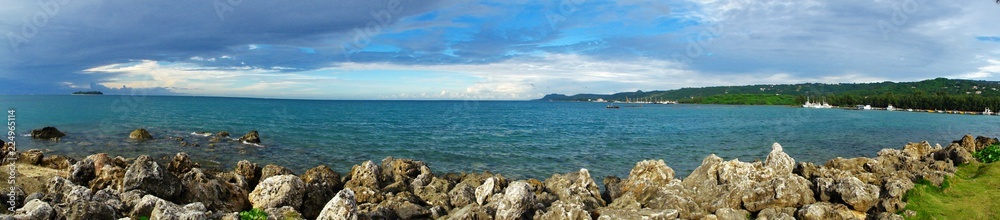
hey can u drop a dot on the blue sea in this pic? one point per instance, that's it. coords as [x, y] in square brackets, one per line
[520, 139]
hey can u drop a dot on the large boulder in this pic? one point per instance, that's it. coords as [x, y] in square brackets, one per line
[322, 184]
[343, 206]
[366, 181]
[406, 171]
[517, 199]
[251, 137]
[35, 210]
[784, 191]
[32, 156]
[274, 170]
[278, 191]
[251, 171]
[858, 195]
[436, 193]
[147, 175]
[983, 142]
[826, 210]
[563, 211]
[47, 133]
[193, 211]
[576, 188]
[651, 185]
[109, 176]
[140, 134]
[89, 210]
[891, 196]
[213, 192]
[284, 213]
[461, 195]
[778, 161]
[918, 150]
[181, 164]
[82, 172]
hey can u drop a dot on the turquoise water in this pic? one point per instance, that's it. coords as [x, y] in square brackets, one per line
[518, 139]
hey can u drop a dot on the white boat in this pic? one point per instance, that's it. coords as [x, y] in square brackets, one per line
[987, 112]
[890, 108]
[809, 104]
[864, 107]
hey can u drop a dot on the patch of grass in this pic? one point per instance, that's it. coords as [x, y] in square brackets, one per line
[970, 194]
[253, 214]
[989, 154]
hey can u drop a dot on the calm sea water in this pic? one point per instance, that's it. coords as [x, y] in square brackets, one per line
[518, 139]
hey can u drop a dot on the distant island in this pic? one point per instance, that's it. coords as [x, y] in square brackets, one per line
[937, 94]
[88, 93]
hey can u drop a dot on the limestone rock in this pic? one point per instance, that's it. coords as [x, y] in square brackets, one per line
[274, 170]
[483, 192]
[214, 193]
[577, 187]
[967, 142]
[435, 193]
[983, 142]
[892, 194]
[612, 188]
[140, 134]
[825, 210]
[181, 164]
[731, 214]
[918, 150]
[365, 181]
[343, 206]
[58, 162]
[109, 176]
[564, 211]
[167, 210]
[283, 213]
[35, 210]
[278, 191]
[251, 171]
[89, 210]
[849, 190]
[322, 184]
[779, 162]
[784, 191]
[147, 175]
[82, 172]
[786, 213]
[518, 198]
[463, 194]
[251, 137]
[47, 133]
[32, 156]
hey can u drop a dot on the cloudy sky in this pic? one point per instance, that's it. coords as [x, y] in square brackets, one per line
[512, 49]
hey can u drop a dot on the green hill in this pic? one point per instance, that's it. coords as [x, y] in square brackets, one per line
[940, 93]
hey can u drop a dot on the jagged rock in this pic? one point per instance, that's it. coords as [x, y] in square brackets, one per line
[918, 150]
[651, 185]
[145, 206]
[783, 191]
[147, 175]
[779, 162]
[365, 181]
[32, 156]
[251, 137]
[82, 172]
[343, 206]
[470, 212]
[181, 164]
[435, 193]
[967, 142]
[518, 198]
[892, 194]
[958, 155]
[89, 210]
[215, 193]
[889, 216]
[858, 195]
[167, 210]
[47, 133]
[35, 210]
[706, 190]
[577, 187]
[251, 171]
[463, 194]
[563, 211]
[61, 190]
[786, 213]
[322, 184]
[109, 176]
[983, 142]
[483, 192]
[131, 198]
[58, 162]
[643, 214]
[403, 206]
[283, 213]
[406, 171]
[140, 134]
[612, 188]
[731, 214]
[274, 170]
[100, 160]
[826, 210]
[278, 191]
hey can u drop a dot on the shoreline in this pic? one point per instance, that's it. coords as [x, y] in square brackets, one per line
[100, 186]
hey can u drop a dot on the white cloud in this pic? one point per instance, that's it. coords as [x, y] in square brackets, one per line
[991, 69]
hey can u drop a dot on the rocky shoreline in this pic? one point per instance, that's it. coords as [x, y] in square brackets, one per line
[104, 187]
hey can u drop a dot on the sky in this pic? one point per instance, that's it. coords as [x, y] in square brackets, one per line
[483, 50]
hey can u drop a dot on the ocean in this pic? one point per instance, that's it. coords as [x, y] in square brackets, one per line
[519, 139]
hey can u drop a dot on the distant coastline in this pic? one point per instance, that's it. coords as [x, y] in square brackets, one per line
[88, 93]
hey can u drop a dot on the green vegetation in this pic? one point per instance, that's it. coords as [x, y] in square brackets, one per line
[970, 194]
[143, 217]
[744, 99]
[989, 154]
[938, 94]
[253, 214]
[88, 93]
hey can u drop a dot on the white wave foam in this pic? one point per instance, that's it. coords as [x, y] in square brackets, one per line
[253, 144]
[203, 134]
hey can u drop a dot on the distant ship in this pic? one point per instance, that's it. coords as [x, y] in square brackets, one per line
[88, 93]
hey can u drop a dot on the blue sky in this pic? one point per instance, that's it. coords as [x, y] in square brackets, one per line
[508, 50]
